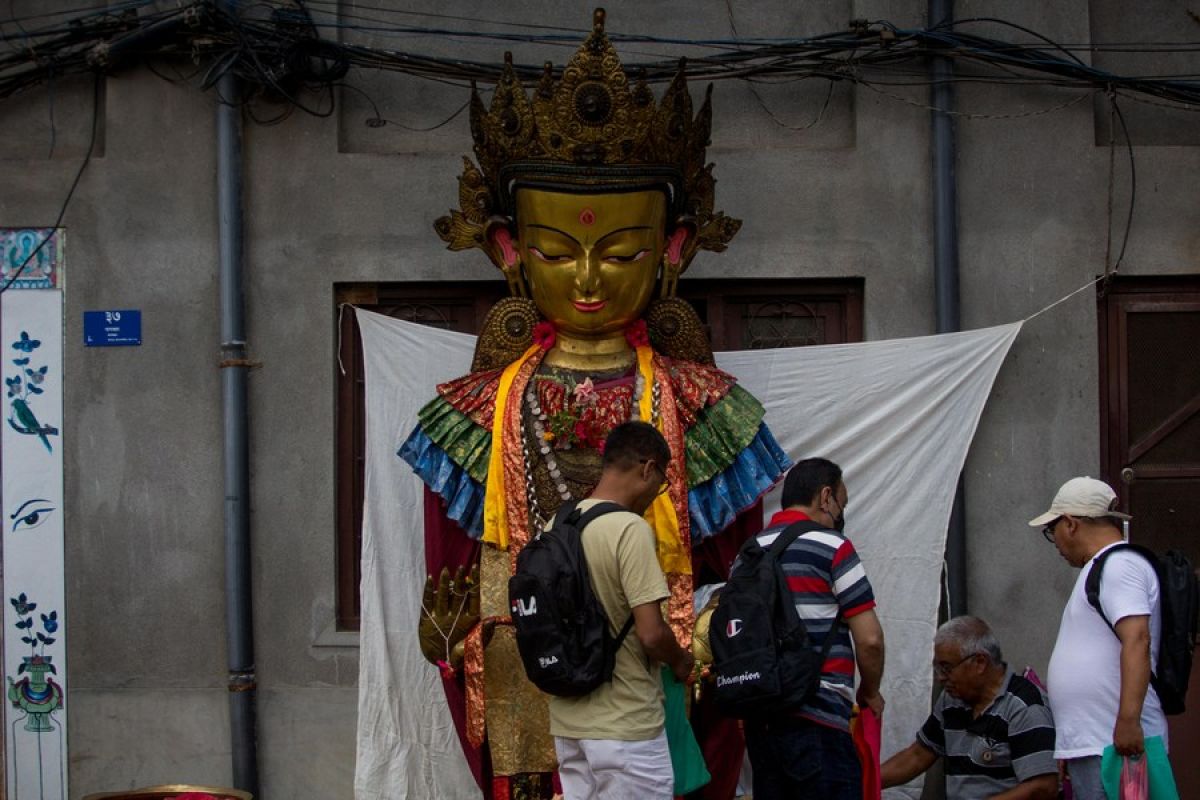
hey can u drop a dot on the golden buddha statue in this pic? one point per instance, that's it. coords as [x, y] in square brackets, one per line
[591, 199]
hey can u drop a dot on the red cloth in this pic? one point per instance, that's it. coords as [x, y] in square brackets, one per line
[712, 558]
[447, 545]
[787, 517]
[866, 729]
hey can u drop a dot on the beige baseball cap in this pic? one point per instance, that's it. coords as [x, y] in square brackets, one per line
[1081, 497]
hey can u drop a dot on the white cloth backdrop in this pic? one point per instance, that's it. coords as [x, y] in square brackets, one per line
[898, 415]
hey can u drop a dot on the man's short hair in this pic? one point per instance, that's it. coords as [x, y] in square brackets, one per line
[806, 479]
[971, 636]
[1110, 522]
[633, 442]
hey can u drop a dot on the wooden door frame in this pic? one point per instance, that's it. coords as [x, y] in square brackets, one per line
[1115, 300]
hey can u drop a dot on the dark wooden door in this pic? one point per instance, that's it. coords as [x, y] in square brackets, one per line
[1150, 411]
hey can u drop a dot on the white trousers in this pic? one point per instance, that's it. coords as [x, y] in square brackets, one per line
[607, 769]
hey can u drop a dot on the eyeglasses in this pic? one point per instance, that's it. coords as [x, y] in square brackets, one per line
[666, 483]
[942, 670]
[1048, 530]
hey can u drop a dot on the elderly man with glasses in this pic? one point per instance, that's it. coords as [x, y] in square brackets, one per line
[991, 726]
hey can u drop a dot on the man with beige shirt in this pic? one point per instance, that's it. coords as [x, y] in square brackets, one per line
[611, 742]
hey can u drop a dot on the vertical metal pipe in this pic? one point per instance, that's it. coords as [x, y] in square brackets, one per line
[945, 274]
[238, 607]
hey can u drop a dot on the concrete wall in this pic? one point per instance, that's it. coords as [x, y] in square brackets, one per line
[332, 200]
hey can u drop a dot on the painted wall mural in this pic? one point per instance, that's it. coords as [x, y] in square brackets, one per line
[31, 538]
[43, 270]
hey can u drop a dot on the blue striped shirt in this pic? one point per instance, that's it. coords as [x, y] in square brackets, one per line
[826, 578]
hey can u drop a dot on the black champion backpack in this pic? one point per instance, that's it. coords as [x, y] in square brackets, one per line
[562, 630]
[1179, 594]
[763, 660]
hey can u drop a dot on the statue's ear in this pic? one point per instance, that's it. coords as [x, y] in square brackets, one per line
[677, 239]
[501, 246]
[673, 252]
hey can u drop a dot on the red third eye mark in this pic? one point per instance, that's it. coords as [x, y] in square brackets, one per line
[587, 217]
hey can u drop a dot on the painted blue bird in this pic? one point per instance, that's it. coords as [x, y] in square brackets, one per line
[29, 423]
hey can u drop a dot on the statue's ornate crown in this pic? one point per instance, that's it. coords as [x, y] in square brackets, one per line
[588, 131]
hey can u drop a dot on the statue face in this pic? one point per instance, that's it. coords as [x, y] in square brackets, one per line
[591, 259]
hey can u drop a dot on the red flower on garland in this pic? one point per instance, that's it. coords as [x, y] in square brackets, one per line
[544, 335]
[583, 433]
[636, 334]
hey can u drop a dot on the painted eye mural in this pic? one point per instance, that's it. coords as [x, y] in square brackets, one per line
[31, 514]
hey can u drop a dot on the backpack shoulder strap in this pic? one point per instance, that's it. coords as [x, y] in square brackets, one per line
[1091, 585]
[790, 534]
[598, 510]
[565, 511]
[624, 632]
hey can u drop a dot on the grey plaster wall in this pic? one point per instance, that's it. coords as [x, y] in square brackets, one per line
[331, 200]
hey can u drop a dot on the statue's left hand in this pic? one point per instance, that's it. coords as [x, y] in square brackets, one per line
[700, 642]
[701, 647]
[449, 609]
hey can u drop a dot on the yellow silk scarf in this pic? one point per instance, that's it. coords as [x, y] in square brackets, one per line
[672, 556]
[495, 512]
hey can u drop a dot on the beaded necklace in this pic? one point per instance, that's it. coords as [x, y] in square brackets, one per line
[545, 449]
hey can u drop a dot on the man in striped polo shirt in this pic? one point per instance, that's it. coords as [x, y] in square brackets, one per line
[808, 753]
[991, 726]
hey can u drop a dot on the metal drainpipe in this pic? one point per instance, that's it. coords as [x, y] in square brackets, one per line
[234, 366]
[945, 276]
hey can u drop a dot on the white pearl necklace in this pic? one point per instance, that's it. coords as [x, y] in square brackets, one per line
[546, 449]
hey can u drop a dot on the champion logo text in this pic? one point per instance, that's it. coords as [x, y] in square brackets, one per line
[743, 678]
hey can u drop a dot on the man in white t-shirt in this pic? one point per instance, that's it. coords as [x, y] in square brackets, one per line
[1099, 679]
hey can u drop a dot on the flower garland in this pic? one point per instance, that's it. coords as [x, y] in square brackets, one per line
[578, 423]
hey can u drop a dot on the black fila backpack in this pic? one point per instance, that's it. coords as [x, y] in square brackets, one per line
[562, 631]
[763, 660]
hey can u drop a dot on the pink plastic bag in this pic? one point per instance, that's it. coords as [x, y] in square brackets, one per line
[1135, 782]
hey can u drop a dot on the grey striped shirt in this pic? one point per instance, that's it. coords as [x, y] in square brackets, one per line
[1012, 741]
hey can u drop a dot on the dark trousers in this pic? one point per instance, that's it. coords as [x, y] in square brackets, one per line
[795, 759]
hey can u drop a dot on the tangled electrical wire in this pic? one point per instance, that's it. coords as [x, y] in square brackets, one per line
[288, 49]
[294, 54]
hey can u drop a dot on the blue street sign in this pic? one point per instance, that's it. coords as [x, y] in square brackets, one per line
[112, 328]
